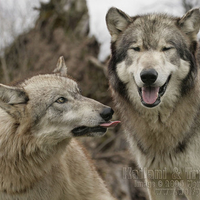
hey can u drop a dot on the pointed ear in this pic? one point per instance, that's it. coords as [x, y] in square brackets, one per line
[117, 21]
[61, 67]
[10, 96]
[190, 23]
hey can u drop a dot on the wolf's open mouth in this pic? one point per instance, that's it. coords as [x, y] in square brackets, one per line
[87, 131]
[150, 96]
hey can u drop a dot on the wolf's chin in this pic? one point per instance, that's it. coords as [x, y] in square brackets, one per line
[153, 94]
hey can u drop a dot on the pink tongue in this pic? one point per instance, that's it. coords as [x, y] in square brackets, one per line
[150, 94]
[110, 124]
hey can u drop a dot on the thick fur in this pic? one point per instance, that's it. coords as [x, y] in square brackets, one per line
[39, 160]
[167, 135]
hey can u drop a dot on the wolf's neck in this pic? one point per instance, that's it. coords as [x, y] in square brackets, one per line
[22, 161]
[153, 129]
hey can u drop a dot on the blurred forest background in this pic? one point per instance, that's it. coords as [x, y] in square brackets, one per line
[62, 29]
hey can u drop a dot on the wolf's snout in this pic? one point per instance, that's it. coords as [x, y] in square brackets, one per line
[149, 76]
[107, 113]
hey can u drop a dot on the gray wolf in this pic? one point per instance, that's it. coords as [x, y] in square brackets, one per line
[39, 160]
[154, 78]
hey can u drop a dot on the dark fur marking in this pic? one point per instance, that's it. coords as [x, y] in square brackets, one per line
[194, 47]
[140, 146]
[170, 157]
[153, 160]
[188, 55]
[189, 81]
[24, 95]
[117, 84]
[181, 147]
[117, 57]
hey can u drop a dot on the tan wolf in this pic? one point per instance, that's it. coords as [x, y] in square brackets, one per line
[155, 83]
[39, 160]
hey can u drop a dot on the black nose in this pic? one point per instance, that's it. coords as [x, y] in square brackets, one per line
[107, 113]
[149, 76]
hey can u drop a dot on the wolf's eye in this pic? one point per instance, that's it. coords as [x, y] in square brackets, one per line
[166, 48]
[61, 100]
[136, 48]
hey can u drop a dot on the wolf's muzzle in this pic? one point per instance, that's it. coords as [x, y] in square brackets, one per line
[150, 96]
[106, 114]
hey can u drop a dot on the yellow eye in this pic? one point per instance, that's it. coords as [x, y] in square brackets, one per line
[61, 100]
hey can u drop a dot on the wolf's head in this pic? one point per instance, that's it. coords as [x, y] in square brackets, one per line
[153, 56]
[51, 106]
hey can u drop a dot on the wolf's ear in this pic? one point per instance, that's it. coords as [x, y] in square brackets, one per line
[117, 21]
[10, 96]
[190, 23]
[61, 67]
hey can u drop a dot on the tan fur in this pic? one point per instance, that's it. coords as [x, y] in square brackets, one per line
[165, 136]
[39, 160]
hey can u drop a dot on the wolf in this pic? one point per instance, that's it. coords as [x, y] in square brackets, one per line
[39, 159]
[154, 78]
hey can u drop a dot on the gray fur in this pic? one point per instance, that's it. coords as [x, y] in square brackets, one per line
[163, 134]
[39, 159]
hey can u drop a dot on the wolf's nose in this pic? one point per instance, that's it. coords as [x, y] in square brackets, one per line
[149, 76]
[107, 113]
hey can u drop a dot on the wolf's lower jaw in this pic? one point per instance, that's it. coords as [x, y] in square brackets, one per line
[84, 130]
[92, 131]
[159, 94]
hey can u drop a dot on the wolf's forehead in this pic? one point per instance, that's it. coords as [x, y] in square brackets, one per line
[49, 82]
[150, 29]
[155, 19]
